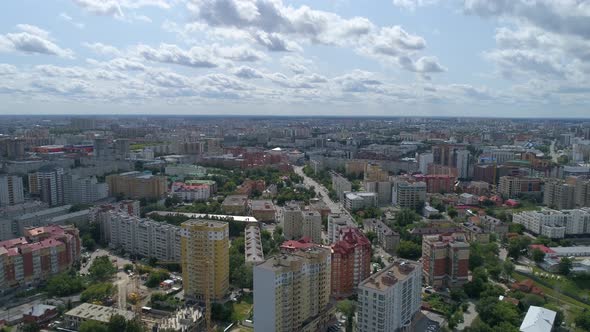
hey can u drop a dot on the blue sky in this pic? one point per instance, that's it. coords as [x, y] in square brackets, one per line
[517, 58]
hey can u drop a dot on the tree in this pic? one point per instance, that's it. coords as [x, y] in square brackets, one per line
[102, 269]
[31, 327]
[452, 212]
[88, 242]
[92, 326]
[508, 268]
[117, 323]
[409, 250]
[406, 217]
[583, 321]
[372, 236]
[565, 266]
[97, 292]
[538, 255]
[347, 307]
[64, 284]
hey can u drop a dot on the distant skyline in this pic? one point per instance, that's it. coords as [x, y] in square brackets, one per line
[480, 58]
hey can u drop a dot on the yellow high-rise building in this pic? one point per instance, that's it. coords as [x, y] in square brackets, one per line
[205, 247]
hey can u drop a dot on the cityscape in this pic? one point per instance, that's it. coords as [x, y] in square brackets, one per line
[295, 166]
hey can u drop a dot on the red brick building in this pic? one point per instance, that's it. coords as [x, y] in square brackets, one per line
[437, 183]
[42, 252]
[351, 261]
[445, 260]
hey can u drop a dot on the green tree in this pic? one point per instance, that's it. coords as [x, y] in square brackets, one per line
[409, 250]
[508, 267]
[117, 323]
[372, 236]
[92, 326]
[88, 242]
[64, 284]
[538, 255]
[452, 212]
[348, 308]
[406, 217]
[583, 321]
[565, 266]
[31, 327]
[102, 269]
[97, 292]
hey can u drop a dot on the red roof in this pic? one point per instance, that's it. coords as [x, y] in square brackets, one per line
[511, 202]
[542, 248]
[303, 243]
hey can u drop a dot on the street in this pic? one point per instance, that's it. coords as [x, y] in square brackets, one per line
[309, 182]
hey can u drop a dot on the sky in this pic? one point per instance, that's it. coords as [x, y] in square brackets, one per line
[485, 58]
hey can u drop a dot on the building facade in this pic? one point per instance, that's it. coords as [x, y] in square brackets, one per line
[11, 190]
[205, 259]
[351, 261]
[292, 291]
[390, 299]
[445, 259]
[555, 224]
[137, 185]
[408, 195]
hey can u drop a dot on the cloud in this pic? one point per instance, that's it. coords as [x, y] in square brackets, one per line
[197, 57]
[296, 63]
[413, 4]
[69, 19]
[393, 41]
[239, 53]
[562, 17]
[33, 40]
[275, 42]
[102, 49]
[425, 64]
[247, 72]
[6, 69]
[101, 7]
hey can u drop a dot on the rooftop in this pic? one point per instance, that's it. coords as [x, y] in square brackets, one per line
[538, 319]
[390, 275]
[87, 311]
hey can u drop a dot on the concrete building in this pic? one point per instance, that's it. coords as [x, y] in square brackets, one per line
[48, 182]
[93, 312]
[340, 185]
[41, 253]
[555, 224]
[387, 238]
[424, 159]
[11, 190]
[581, 191]
[511, 186]
[485, 173]
[494, 225]
[212, 184]
[263, 210]
[359, 200]
[437, 183]
[408, 195]
[382, 189]
[205, 259]
[351, 261]
[137, 185]
[559, 195]
[83, 123]
[253, 253]
[463, 164]
[299, 223]
[374, 173]
[235, 204]
[190, 192]
[84, 190]
[390, 299]
[292, 291]
[446, 260]
[144, 237]
[336, 222]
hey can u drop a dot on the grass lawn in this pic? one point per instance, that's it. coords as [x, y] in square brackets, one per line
[242, 309]
[571, 307]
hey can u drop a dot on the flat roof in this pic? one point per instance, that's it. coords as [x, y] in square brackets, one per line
[87, 311]
[390, 275]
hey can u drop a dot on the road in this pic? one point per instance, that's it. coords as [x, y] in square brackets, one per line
[553, 153]
[468, 317]
[309, 182]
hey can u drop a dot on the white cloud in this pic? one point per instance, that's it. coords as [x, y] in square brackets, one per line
[69, 19]
[198, 57]
[246, 72]
[6, 69]
[413, 4]
[33, 40]
[239, 53]
[102, 49]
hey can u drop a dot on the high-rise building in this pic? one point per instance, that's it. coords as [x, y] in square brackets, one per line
[11, 190]
[50, 184]
[336, 222]
[101, 148]
[83, 123]
[382, 189]
[408, 195]
[555, 224]
[351, 261]
[359, 200]
[374, 172]
[462, 163]
[446, 260]
[142, 237]
[205, 259]
[80, 190]
[292, 291]
[581, 191]
[137, 185]
[41, 253]
[121, 146]
[424, 159]
[510, 186]
[559, 195]
[340, 185]
[485, 172]
[390, 299]
[298, 224]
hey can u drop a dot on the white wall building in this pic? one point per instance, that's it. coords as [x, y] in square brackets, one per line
[337, 221]
[389, 299]
[11, 190]
[555, 224]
